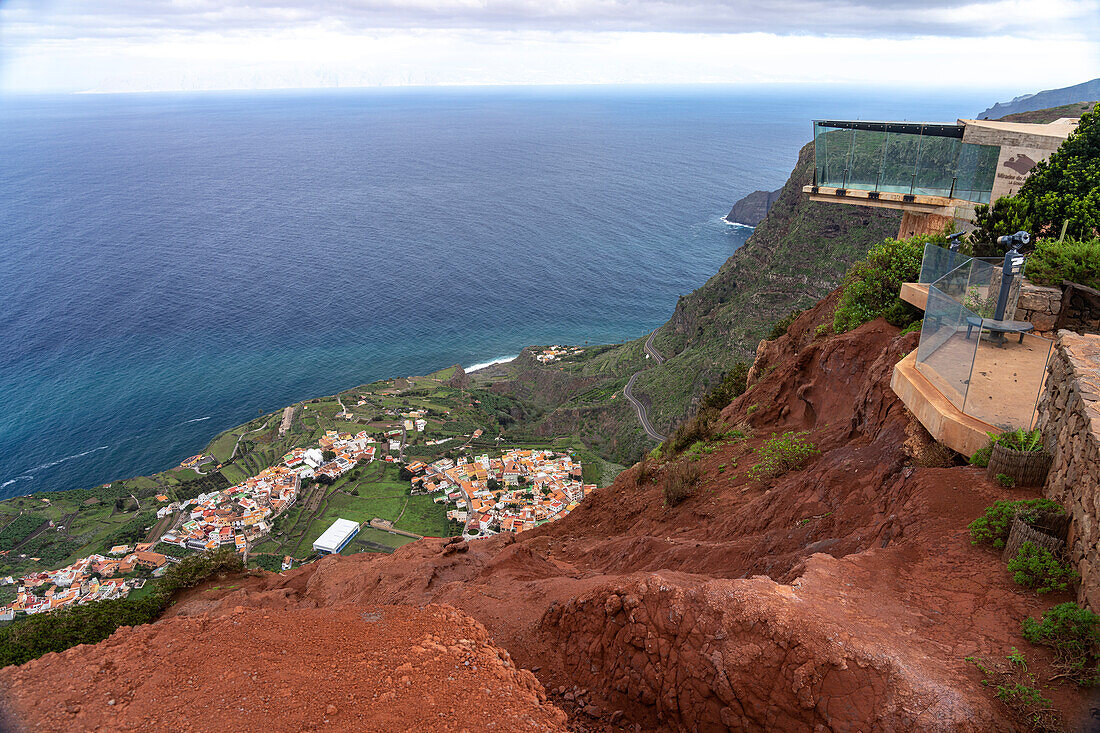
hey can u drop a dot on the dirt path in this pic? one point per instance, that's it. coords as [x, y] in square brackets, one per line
[160, 527]
[241, 437]
[288, 418]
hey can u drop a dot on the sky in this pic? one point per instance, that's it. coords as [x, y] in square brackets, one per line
[181, 45]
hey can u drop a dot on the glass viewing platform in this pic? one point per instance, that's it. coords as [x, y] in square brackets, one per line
[988, 374]
[913, 158]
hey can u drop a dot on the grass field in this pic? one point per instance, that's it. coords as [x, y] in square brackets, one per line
[381, 494]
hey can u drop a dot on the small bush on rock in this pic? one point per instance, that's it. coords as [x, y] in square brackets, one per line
[1073, 260]
[732, 386]
[1071, 632]
[681, 481]
[702, 427]
[780, 327]
[981, 456]
[993, 526]
[781, 453]
[1018, 689]
[645, 471]
[1037, 568]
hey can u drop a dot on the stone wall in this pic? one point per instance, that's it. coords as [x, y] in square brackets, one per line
[1069, 418]
[1039, 305]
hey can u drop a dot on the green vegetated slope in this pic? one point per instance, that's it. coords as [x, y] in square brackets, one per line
[797, 255]
[1043, 116]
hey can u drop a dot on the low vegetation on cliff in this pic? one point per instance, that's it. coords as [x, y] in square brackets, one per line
[94, 622]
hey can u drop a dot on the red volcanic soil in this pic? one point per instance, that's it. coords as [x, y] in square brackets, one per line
[842, 596]
[390, 668]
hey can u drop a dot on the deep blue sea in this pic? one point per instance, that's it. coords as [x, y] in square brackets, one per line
[174, 265]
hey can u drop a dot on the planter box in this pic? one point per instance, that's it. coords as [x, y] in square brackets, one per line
[1026, 469]
[1041, 536]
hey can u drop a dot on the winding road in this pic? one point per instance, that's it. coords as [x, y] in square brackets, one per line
[628, 392]
[653, 353]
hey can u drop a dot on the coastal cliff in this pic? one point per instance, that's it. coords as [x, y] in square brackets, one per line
[841, 595]
[752, 209]
[1088, 91]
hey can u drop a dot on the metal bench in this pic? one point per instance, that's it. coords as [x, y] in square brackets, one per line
[998, 327]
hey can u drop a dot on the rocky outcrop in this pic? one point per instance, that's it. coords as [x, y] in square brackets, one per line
[459, 380]
[260, 669]
[752, 209]
[1069, 418]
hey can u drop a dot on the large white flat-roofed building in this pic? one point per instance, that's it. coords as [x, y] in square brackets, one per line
[336, 537]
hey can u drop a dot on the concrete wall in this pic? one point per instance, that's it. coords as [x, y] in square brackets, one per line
[1022, 146]
[1069, 418]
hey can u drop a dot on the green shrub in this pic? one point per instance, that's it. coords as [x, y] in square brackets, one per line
[1064, 189]
[781, 453]
[994, 525]
[1022, 695]
[732, 386]
[1071, 632]
[1025, 441]
[681, 481]
[914, 326]
[1005, 480]
[699, 428]
[872, 285]
[981, 456]
[780, 327]
[1073, 260]
[1037, 568]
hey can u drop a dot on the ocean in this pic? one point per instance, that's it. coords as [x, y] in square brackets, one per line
[172, 265]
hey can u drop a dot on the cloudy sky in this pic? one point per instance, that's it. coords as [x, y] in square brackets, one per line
[146, 45]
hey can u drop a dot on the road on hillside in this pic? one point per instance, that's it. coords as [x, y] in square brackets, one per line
[653, 353]
[628, 392]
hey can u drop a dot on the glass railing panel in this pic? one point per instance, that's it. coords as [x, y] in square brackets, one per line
[1007, 377]
[900, 162]
[836, 149]
[967, 283]
[866, 161]
[938, 261]
[945, 355]
[935, 170]
[976, 169]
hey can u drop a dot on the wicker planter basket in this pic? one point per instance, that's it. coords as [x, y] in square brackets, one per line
[1048, 531]
[1026, 469]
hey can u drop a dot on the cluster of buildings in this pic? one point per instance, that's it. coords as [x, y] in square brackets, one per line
[241, 513]
[86, 580]
[518, 491]
[553, 353]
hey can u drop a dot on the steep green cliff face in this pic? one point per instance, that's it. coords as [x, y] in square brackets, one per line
[794, 258]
